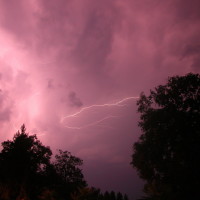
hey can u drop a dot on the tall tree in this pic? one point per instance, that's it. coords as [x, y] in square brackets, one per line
[113, 196]
[87, 193]
[119, 196]
[22, 160]
[107, 195]
[68, 168]
[26, 171]
[167, 154]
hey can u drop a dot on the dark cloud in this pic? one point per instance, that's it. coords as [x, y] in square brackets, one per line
[104, 51]
[196, 64]
[192, 53]
[185, 10]
[191, 50]
[50, 84]
[95, 42]
[74, 100]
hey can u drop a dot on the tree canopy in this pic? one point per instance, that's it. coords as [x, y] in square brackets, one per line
[27, 172]
[95, 194]
[167, 155]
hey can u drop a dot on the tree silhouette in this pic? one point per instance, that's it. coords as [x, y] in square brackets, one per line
[95, 194]
[125, 197]
[67, 167]
[119, 196]
[26, 170]
[21, 163]
[107, 195]
[113, 196]
[167, 154]
[27, 173]
[87, 193]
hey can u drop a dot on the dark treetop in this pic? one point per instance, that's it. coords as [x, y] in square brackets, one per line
[26, 171]
[167, 154]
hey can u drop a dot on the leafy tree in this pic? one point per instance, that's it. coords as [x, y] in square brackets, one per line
[107, 195]
[167, 154]
[95, 194]
[119, 196]
[113, 196]
[87, 193]
[26, 170]
[68, 166]
[48, 194]
[125, 197]
[21, 163]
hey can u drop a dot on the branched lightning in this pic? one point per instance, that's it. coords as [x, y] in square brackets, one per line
[92, 124]
[118, 103]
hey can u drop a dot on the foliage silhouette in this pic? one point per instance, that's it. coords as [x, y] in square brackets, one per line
[95, 194]
[119, 196]
[167, 154]
[87, 193]
[67, 167]
[21, 164]
[26, 170]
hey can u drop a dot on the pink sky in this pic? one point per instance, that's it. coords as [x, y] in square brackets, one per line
[58, 57]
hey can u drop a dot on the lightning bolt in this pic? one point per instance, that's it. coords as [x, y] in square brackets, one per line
[92, 124]
[118, 103]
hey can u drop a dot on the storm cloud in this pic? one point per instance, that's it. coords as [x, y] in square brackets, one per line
[59, 57]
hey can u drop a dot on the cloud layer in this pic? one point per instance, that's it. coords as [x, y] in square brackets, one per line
[57, 57]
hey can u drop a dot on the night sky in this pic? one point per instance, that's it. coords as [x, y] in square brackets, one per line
[72, 70]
